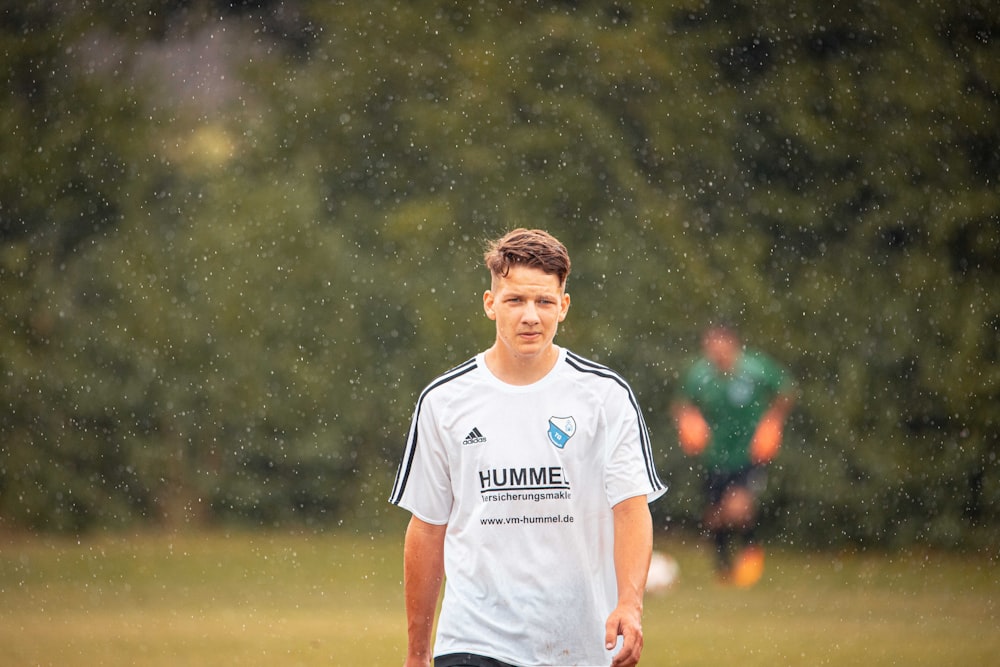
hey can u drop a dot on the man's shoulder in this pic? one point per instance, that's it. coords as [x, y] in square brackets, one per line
[595, 380]
[588, 368]
[699, 371]
[760, 363]
[453, 377]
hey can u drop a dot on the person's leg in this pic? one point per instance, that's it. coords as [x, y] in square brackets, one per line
[468, 660]
[722, 539]
[730, 519]
[737, 509]
[749, 566]
[714, 523]
[755, 482]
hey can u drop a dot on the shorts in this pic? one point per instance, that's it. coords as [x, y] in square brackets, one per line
[717, 482]
[467, 660]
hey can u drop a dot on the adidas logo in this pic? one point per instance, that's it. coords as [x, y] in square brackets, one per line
[474, 437]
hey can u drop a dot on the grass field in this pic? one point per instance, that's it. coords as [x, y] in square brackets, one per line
[335, 599]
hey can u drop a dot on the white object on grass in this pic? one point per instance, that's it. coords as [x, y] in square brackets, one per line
[663, 573]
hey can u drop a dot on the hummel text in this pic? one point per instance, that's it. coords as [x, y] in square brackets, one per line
[545, 477]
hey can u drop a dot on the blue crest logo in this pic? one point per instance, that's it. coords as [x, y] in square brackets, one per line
[561, 429]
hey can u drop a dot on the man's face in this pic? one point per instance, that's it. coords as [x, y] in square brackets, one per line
[722, 349]
[527, 305]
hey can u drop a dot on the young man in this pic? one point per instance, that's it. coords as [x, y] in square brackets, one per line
[731, 414]
[527, 471]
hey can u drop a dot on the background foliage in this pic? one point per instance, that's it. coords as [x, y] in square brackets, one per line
[237, 239]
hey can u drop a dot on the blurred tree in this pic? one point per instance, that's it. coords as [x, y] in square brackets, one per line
[239, 238]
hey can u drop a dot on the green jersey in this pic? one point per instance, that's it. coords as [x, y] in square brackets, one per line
[732, 404]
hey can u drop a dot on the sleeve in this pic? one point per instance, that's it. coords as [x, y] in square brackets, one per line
[423, 481]
[629, 466]
[777, 378]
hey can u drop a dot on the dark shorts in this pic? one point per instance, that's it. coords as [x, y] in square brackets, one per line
[467, 660]
[753, 478]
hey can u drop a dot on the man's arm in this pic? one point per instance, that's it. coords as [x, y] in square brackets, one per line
[633, 548]
[423, 572]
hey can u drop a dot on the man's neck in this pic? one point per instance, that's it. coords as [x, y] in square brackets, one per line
[520, 370]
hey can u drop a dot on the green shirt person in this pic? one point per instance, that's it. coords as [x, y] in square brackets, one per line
[731, 413]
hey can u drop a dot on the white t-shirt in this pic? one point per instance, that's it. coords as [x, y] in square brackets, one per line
[525, 478]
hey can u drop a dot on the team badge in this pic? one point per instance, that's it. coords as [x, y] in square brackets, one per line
[561, 429]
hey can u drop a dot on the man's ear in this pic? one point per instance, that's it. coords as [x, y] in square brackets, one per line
[488, 304]
[565, 307]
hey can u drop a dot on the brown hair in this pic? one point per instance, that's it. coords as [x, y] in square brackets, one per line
[534, 248]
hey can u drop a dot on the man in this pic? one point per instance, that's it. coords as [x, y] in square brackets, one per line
[731, 414]
[527, 471]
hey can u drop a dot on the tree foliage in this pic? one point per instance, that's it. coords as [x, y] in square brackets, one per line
[236, 240]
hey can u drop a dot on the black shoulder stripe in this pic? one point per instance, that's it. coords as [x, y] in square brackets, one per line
[582, 361]
[403, 472]
[587, 366]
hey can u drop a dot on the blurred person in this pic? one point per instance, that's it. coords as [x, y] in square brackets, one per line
[528, 473]
[731, 413]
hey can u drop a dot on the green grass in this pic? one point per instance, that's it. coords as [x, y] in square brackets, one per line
[335, 599]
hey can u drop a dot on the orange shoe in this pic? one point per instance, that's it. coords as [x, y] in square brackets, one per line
[749, 567]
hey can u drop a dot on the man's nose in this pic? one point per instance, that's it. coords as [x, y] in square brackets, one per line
[530, 313]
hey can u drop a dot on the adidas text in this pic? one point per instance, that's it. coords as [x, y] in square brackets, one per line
[474, 437]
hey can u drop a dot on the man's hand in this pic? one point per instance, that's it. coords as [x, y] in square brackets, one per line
[624, 622]
[766, 439]
[692, 429]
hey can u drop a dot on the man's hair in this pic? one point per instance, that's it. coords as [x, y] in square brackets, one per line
[533, 248]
